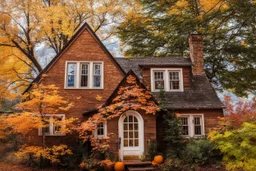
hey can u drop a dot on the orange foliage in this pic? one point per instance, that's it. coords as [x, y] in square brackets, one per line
[239, 112]
[129, 97]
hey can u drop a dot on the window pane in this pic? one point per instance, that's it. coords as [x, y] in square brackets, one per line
[174, 80]
[175, 85]
[126, 143]
[84, 75]
[197, 123]
[100, 129]
[136, 142]
[184, 123]
[174, 75]
[71, 81]
[96, 75]
[159, 80]
[131, 143]
[46, 127]
[125, 134]
[136, 134]
[71, 69]
[135, 126]
[71, 74]
[96, 82]
[57, 123]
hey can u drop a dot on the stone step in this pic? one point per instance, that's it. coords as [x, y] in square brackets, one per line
[136, 163]
[147, 168]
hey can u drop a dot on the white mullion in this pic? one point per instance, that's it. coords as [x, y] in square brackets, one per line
[102, 75]
[51, 125]
[181, 80]
[167, 80]
[190, 123]
[90, 75]
[77, 76]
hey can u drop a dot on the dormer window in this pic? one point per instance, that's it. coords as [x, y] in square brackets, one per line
[84, 75]
[167, 79]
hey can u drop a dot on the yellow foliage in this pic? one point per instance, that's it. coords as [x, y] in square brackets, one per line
[13, 74]
[212, 5]
[53, 154]
[179, 7]
[44, 99]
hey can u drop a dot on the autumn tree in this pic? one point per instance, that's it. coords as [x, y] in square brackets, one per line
[161, 28]
[29, 23]
[235, 138]
[35, 108]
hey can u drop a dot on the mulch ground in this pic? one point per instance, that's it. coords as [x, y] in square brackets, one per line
[10, 167]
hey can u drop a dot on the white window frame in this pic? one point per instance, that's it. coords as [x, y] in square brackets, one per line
[191, 128]
[105, 131]
[51, 126]
[167, 79]
[78, 75]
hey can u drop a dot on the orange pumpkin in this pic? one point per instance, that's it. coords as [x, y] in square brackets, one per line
[154, 163]
[159, 159]
[119, 166]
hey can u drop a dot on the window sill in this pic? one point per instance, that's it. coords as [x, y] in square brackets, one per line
[168, 90]
[70, 88]
[55, 135]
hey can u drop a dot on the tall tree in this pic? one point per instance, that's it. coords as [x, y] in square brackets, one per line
[161, 28]
[29, 23]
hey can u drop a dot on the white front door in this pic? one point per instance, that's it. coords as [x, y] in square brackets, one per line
[131, 135]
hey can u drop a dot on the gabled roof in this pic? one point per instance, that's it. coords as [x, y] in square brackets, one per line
[76, 35]
[112, 96]
[136, 63]
[201, 95]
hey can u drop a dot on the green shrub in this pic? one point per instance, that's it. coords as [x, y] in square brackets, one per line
[238, 146]
[151, 151]
[200, 151]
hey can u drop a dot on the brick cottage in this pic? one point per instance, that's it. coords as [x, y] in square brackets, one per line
[85, 69]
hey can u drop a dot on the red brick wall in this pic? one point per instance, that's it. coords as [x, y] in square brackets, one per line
[186, 76]
[196, 54]
[84, 48]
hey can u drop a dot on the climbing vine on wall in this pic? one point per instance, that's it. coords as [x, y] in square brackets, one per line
[129, 96]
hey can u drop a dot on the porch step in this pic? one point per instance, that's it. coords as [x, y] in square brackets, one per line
[137, 165]
[141, 168]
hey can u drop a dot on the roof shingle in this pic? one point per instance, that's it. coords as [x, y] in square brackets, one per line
[201, 95]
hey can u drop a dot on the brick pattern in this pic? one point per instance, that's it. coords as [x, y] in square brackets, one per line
[196, 54]
[84, 48]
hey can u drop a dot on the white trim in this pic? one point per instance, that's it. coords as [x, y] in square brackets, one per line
[105, 131]
[140, 149]
[51, 126]
[191, 128]
[166, 79]
[90, 75]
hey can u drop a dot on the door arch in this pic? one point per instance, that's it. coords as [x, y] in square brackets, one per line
[131, 135]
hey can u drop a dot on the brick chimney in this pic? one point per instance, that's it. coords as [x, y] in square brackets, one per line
[196, 47]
